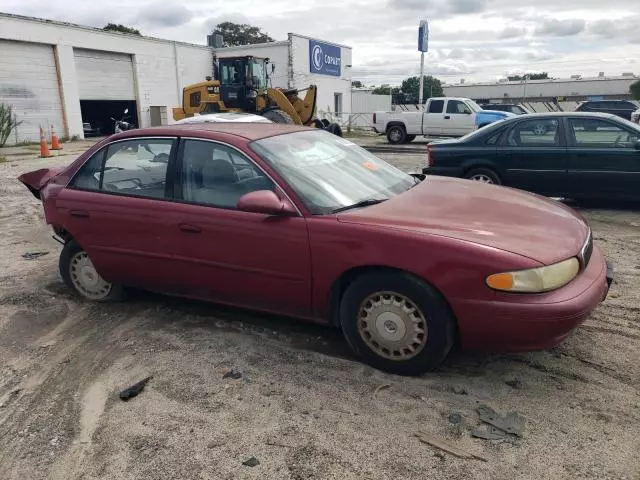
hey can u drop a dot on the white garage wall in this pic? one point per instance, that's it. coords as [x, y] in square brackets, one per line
[159, 65]
[277, 52]
[29, 83]
[328, 85]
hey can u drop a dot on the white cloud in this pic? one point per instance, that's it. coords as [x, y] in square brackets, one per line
[477, 39]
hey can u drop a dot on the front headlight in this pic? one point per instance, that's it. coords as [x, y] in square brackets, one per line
[536, 280]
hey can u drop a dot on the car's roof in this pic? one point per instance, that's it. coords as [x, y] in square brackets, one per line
[249, 131]
[567, 114]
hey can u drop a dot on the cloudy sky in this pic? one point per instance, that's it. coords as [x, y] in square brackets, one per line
[476, 40]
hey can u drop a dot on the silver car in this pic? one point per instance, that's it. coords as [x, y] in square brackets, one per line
[234, 117]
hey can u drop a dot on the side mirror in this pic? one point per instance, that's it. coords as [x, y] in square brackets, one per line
[267, 202]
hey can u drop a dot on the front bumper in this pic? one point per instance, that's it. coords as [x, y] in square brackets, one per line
[517, 322]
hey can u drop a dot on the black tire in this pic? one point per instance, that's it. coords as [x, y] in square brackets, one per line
[396, 134]
[335, 129]
[325, 123]
[478, 173]
[70, 250]
[410, 138]
[278, 116]
[439, 321]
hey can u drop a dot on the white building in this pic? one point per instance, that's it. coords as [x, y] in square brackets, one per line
[567, 89]
[301, 61]
[60, 74]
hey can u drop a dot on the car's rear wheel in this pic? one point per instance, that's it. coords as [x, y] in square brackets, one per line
[483, 175]
[396, 134]
[396, 322]
[78, 272]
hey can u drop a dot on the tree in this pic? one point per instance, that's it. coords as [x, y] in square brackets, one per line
[385, 90]
[529, 76]
[411, 88]
[235, 34]
[112, 27]
[356, 84]
[634, 89]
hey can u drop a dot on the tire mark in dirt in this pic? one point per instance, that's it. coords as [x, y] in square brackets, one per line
[593, 328]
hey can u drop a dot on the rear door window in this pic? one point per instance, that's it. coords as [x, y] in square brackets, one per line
[436, 106]
[133, 167]
[543, 132]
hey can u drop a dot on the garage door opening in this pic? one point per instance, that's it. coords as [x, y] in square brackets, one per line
[98, 114]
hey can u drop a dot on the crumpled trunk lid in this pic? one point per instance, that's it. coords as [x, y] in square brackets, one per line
[36, 180]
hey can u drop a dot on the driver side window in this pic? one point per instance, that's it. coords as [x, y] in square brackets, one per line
[590, 133]
[457, 107]
[216, 175]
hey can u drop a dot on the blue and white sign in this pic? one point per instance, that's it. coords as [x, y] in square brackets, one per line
[324, 59]
[423, 36]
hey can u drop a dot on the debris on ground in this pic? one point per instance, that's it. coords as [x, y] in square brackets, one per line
[216, 443]
[380, 388]
[233, 375]
[512, 422]
[251, 462]
[33, 255]
[492, 433]
[134, 390]
[459, 390]
[515, 383]
[455, 418]
[434, 441]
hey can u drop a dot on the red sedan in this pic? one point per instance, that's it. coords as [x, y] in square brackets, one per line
[300, 222]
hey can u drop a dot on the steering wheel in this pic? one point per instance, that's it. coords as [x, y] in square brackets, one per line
[161, 158]
[618, 141]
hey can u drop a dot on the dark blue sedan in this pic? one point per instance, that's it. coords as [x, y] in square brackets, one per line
[574, 155]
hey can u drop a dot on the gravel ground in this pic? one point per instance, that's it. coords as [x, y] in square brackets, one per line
[303, 407]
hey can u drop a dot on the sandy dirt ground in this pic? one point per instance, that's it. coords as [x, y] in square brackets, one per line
[303, 407]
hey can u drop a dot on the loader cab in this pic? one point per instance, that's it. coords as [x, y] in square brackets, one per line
[241, 79]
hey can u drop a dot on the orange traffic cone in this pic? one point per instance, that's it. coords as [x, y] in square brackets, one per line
[55, 143]
[44, 148]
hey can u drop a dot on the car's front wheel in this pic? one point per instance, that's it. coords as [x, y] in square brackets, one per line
[78, 272]
[396, 322]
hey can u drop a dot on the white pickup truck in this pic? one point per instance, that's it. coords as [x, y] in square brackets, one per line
[441, 117]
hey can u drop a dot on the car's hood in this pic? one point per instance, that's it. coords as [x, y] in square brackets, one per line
[499, 217]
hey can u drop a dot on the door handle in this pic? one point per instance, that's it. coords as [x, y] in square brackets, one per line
[79, 213]
[185, 227]
[447, 117]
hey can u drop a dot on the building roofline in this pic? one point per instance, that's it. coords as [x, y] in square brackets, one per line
[277, 43]
[544, 81]
[290, 34]
[98, 30]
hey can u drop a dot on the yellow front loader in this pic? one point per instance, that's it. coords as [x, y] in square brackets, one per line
[242, 86]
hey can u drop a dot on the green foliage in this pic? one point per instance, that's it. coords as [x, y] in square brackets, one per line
[529, 76]
[235, 34]
[356, 84]
[634, 89]
[3, 159]
[410, 89]
[113, 27]
[8, 122]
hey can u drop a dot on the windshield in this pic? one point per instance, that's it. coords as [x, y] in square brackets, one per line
[329, 173]
[473, 106]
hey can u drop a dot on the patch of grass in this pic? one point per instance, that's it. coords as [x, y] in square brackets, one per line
[3, 159]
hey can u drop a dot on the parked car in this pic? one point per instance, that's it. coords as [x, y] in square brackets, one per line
[621, 108]
[297, 221]
[514, 108]
[441, 117]
[89, 130]
[635, 116]
[225, 117]
[575, 155]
